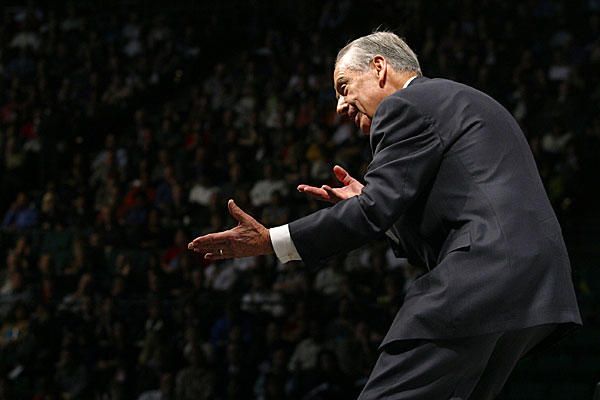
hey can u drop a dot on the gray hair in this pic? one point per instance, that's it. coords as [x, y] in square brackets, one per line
[387, 44]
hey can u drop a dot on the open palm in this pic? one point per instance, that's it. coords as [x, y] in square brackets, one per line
[351, 188]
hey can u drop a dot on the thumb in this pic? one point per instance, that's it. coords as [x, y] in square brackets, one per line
[236, 212]
[342, 175]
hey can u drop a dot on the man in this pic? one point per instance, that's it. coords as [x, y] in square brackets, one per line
[454, 186]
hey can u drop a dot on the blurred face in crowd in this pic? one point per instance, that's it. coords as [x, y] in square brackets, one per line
[360, 92]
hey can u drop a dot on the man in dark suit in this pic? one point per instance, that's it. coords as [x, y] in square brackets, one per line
[454, 186]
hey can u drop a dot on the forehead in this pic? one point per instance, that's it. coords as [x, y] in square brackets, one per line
[341, 75]
[338, 75]
[341, 69]
[338, 80]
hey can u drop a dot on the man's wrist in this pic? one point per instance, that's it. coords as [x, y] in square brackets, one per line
[268, 244]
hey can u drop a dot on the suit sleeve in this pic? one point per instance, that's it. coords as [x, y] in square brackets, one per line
[406, 155]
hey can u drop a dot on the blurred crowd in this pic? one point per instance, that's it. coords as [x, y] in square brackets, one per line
[123, 132]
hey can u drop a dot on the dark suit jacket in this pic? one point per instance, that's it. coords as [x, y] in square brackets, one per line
[453, 176]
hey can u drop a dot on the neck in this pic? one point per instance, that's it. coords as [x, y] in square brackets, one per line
[399, 79]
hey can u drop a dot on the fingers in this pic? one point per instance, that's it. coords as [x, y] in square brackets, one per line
[342, 175]
[210, 243]
[217, 256]
[333, 196]
[315, 192]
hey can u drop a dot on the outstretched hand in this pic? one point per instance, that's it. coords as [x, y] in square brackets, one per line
[248, 238]
[351, 188]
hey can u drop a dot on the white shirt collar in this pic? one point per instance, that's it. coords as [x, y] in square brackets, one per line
[408, 82]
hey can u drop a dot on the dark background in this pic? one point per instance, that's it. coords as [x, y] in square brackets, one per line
[125, 127]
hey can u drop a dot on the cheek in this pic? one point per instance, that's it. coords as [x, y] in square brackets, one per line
[363, 99]
[355, 92]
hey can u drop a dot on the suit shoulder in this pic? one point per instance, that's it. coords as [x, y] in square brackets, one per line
[396, 106]
[430, 96]
[417, 98]
[439, 86]
[426, 89]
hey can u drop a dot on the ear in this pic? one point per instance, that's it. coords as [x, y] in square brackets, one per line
[380, 65]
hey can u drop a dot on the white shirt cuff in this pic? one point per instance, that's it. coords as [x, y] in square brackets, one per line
[284, 247]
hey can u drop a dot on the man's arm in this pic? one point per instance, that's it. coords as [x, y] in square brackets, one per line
[407, 153]
[284, 247]
[279, 237]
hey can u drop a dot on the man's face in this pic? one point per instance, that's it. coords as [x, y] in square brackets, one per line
[358, 94]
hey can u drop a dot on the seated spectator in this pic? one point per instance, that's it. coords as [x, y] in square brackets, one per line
[75, 302]
[21, 214]
[109, 231]
[137, 215]
[13, 290]
[197, 381]
[115, 356]
[77, 262]
[291, 279]
[51, 215]
[235, 181]
[305, 355]
[194, 341]
[357, 354]
[261, 299]
[231, 320]
[163, 199]
[104, 169]
[221, 276]
[262, 191]
[107, 195]
[22, 249]
[71, 376]
[79, 214]
[14, 154]
[110, 150]
[178, 212]
[276, 212]
[273, 376]
[202, 192]
[164, 392]
[152, 359]
[341, 327]
[170, 261]
[234, 375]
[15, 327]
[326, 381]
[296, 324]
[330, 280]
[48, 293]
[152, 235]
[138, 189]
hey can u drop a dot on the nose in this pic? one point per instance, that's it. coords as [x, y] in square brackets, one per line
[342, 106]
